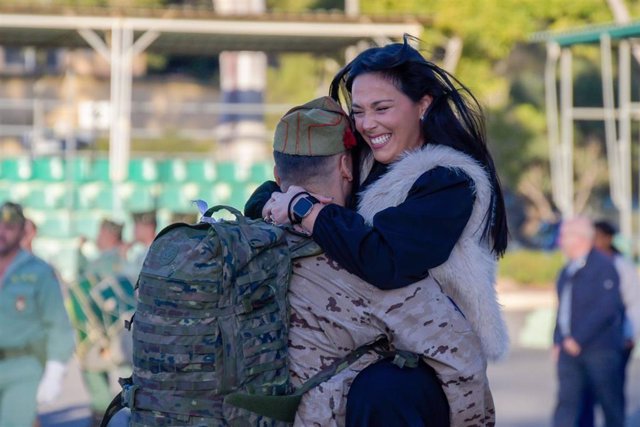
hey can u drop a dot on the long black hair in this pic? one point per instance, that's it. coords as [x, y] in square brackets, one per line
[454, 117]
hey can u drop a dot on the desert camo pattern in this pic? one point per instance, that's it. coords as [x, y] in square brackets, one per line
[334, 312]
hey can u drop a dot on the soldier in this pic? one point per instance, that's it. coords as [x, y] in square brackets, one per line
[333, 312]
[101, 300]
[144, 231]
[111, 259]
[34, 328]
[30, 231]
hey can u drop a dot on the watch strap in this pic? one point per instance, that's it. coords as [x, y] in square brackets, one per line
[292, 220]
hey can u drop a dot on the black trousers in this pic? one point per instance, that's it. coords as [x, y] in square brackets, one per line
[386, 395]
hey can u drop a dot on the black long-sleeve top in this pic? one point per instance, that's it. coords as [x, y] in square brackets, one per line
[405, 241]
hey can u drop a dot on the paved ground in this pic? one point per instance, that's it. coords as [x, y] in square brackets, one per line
[523, 385]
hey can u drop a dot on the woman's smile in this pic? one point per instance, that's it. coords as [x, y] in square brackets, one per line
[380, 141]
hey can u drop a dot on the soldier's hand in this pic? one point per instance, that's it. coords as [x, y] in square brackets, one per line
[51, 382]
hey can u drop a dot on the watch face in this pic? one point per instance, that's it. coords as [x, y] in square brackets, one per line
[301, 208]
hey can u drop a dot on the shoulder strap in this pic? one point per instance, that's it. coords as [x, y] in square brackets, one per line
[304, 248]
[283, 408]
[113, 408]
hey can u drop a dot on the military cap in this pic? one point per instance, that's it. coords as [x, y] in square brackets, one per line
[144, 217]
[112, 226]
[184, 217]
[317, 128]
[11, 213]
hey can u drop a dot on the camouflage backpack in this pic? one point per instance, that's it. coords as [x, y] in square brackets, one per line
[211, 320]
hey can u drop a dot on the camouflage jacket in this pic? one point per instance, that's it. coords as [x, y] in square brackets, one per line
[334, 312]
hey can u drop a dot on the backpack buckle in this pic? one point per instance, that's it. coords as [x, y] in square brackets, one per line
[129, 395]
[129, 323]
[405, 358]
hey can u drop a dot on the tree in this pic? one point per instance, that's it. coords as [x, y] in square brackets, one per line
[485, 43]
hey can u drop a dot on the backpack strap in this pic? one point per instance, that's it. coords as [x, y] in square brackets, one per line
[302, 246]
[284, 408]
[113, 408]
[124, 399]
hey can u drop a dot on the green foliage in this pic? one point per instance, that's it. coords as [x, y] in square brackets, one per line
[169, 143]
[529, 267]
[289, 5]
[88, 3]
[293, 79]
[517, 139]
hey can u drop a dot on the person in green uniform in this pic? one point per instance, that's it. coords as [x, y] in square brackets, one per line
[144, 232]
[111, 247]
[36, 338]
[100, 300]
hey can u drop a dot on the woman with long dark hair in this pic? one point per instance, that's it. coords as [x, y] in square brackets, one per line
[429, 201]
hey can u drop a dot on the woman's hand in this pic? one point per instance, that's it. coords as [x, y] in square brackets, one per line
[276, 210]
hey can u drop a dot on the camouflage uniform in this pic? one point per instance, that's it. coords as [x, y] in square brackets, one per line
[333, 312]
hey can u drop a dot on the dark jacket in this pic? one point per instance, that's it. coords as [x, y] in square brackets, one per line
[407, 240]
[596, 305]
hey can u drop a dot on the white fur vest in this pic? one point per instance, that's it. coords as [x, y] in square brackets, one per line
[469, 275]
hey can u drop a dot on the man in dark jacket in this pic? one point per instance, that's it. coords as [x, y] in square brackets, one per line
[588, 338]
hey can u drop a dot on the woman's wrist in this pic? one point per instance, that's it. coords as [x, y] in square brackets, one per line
[309, 221]
[293, 220]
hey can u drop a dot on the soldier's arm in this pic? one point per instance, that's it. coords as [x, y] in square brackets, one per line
[259, 198]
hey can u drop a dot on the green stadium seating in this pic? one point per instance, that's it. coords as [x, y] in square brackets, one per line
[87, 194]
[178, 197]
[80, 169]
[86, 222]
[142, 169]
[104, 195]
[172, 170]
[99, 170]
[137, 197]
[51, 223]
[261, 172]
[16, 169]
[53, 195]
[5, 192]
[50, 169]
[201, 170]
[62, 253]
[19, 191]
[232, 194]
[227, 172]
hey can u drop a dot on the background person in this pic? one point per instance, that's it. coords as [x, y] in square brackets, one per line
[629, 284]
[30, 232]
[630, 291]
[36, 338]
[100, 301]
[144, 232]
[588, 337]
